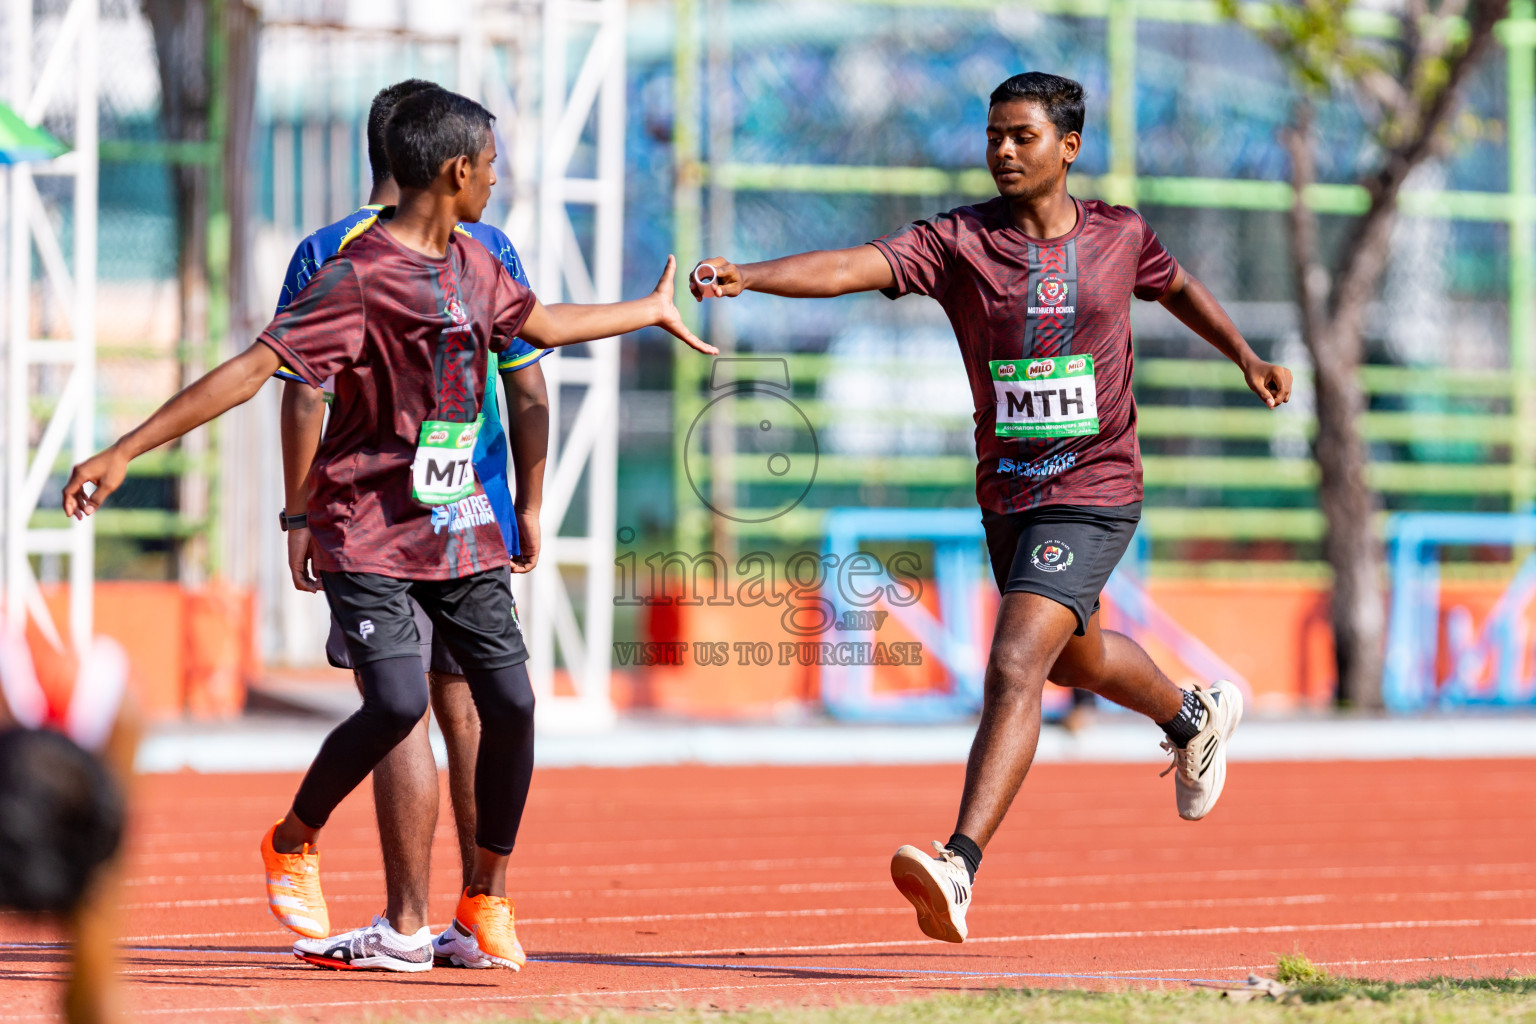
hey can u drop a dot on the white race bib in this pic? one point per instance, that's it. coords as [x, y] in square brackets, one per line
[443, 470]
[1045, 397]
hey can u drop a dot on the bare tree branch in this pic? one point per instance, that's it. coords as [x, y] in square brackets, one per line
[1309, 276]
[1363, 255]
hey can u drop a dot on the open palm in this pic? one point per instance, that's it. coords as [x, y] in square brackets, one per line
[669, 319]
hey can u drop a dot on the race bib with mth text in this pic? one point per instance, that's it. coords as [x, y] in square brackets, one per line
[1045, 397]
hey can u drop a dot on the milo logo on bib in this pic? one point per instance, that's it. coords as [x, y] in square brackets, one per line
[1056, 398]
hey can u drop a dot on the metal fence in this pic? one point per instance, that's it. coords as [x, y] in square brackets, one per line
[798, 126]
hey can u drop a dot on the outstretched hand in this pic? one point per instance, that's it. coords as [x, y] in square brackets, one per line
[727, 280]
[1270, 381]
[668, 318]
[104, 471]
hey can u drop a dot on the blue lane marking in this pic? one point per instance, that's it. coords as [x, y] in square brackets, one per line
[863, 970]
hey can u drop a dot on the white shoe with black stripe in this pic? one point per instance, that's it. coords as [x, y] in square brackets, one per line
[939, 887]
[377, 947]
[1200, 769]
[452, 948]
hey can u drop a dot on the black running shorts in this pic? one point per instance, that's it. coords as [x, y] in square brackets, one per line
[1063, 552]
[435, 655]
[473, 619]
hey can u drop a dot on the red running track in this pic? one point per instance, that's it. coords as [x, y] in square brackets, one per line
[729, 887]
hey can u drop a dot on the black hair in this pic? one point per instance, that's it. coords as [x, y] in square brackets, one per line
[431, 128]
[378, 119]
[1061, 98]
[61, 818]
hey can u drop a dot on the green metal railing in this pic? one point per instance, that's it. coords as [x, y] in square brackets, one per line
[159, 524]
[1494, 413]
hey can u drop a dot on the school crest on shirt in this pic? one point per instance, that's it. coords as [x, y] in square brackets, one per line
[1051, 290]
[456, 311]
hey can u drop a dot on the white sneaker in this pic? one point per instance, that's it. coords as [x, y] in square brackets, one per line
[1202, 765]
[377, 947]
[452, 948]
[939, 887]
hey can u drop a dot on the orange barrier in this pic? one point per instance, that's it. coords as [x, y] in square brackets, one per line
[191, 651]
[1275, 633]
[194, 651]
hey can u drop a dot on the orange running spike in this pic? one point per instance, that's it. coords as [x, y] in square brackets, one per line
[293, 889]
[490, 919]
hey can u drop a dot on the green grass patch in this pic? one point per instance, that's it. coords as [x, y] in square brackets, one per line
[1323, 999]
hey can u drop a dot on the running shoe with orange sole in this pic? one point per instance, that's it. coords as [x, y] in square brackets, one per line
[490, 921]
[293, 889]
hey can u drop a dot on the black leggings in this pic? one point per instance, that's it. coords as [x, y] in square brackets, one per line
[394, 699]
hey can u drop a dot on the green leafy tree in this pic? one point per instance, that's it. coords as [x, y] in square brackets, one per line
[1406, 85]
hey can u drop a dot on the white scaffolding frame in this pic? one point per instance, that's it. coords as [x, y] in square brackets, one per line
[570, 565]
[62, 368]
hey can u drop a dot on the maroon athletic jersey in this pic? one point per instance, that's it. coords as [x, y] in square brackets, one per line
[1044, 327]
[406, 337]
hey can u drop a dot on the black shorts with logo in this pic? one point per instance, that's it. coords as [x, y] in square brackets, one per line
[1063, 552]
[473, 619]
[435, 655]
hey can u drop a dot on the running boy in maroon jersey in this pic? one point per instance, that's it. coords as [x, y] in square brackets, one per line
[1037, 286]
[406, 319]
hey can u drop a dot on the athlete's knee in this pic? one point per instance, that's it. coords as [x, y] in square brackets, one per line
[1013, 674]
[395, 695]
[399, 711]
[504, 698]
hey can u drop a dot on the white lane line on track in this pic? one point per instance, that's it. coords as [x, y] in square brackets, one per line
[1040, 882]
[1306, 899]
[1340, 963]
[1160, 933]
[1188, 904]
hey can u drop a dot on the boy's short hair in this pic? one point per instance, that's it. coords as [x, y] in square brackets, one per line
[61, 818]
[378, 119]
[431, 128]
[1061, 98]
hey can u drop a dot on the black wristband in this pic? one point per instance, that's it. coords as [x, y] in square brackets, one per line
[288, 522]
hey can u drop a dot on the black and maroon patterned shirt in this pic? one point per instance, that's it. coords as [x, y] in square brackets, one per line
[1012, 297]
[407, 338]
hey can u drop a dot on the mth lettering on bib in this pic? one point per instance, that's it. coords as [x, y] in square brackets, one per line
[443, 470]
[1045, 397]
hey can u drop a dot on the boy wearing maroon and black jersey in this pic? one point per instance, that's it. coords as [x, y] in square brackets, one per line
[406, 319]
[1037, 285]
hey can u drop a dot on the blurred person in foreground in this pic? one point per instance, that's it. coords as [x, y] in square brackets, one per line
[1038, 286]
[68, 733]
[407, 320]
[405, 783]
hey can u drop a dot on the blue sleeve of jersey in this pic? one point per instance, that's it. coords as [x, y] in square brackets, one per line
[519, 355]
[306, 260]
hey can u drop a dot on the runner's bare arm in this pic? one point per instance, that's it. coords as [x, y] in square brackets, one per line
[1197, 309]
[528, 420]
[808, 275]
[216, 392]
[300, 421]
[568, 323]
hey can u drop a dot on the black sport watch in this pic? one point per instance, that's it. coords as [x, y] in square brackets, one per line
[288, 522]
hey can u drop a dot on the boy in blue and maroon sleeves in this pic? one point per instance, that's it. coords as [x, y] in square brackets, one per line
[406, 319]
